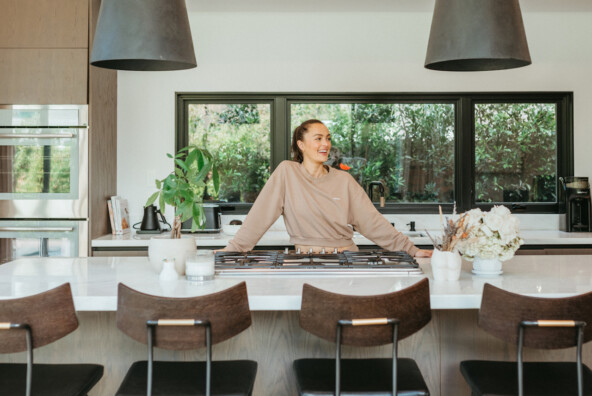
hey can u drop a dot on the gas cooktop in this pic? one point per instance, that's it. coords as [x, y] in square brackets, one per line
[366, 262]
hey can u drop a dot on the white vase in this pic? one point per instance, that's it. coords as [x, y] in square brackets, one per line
[487, 266]
[445, 265]
[160, 248]
[168, 272]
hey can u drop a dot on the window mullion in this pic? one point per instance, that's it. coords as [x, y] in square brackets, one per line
[464, 155]
[280, 131]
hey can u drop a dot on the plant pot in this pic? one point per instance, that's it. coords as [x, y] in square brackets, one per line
[160, 248]
[445, 265]
[487, 266]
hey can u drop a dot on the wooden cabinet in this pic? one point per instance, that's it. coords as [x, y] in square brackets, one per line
[44, 59]
[44, 51]
[102, 114]
[43, 76]
[44, 24]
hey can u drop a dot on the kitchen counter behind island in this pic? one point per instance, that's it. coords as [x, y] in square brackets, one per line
[275, 338]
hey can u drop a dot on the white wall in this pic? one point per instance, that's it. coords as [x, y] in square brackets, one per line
[336, 46]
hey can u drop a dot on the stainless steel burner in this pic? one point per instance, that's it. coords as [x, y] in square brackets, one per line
[371, 262]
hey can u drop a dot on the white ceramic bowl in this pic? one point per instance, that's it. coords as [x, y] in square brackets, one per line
[230, 229]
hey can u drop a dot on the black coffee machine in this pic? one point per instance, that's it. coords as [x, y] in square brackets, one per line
[576, 191]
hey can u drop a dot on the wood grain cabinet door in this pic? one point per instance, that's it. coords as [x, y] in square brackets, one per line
[44, 51]
[44, 24]
[43, 76]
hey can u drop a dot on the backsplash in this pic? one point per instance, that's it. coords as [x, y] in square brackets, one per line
[551, 222]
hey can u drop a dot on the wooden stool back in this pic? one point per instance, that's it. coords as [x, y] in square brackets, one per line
[227, 310]
[321, 310]
[501, 312]
[50, 315]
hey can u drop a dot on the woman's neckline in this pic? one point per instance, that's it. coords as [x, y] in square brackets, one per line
[309, 176]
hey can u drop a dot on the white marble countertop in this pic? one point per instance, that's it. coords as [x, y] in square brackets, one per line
[94, 282]
[281, 238]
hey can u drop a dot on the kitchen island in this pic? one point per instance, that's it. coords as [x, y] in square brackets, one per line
[275, 338]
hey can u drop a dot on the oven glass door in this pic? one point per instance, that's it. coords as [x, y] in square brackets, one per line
[45, 238]
[39, 163]
[43, 162]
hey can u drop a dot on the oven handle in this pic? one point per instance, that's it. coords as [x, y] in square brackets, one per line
[39, 136]
[38, 229]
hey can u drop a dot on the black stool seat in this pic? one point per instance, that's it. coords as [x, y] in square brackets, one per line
[50, 379]
[229, 378]
[489, 378]
[316, 377]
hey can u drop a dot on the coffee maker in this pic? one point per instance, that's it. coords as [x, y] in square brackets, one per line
[577, 201]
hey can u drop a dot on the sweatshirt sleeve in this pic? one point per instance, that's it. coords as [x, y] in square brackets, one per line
[373, 225]
[268, 206]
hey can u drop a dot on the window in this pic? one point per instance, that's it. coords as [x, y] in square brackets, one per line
[475, 150]
[238, 137]
[515, 152]
[409, 148]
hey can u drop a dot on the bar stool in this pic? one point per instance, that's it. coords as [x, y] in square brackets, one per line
[32, 322]
[543, 323]
[363, 321]
[185, 324]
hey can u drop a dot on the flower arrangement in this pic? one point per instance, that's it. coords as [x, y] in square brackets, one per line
[491, 235]
[454, 232]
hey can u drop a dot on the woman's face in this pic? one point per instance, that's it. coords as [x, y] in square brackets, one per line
[315, 143]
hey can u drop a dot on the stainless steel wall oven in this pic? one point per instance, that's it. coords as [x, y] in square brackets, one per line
[43, 180]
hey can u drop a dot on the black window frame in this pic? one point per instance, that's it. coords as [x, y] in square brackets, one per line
[464, 186]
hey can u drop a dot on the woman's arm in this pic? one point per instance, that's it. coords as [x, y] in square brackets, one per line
[374, 226]
[268, 206]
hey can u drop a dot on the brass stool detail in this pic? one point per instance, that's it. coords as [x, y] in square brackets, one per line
[185, 324]
[363, 321]
[32, 322]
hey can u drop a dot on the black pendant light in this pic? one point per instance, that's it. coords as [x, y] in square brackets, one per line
[477, 35]
[143, 35]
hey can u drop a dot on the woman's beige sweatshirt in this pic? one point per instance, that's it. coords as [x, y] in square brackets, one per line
[317, 212]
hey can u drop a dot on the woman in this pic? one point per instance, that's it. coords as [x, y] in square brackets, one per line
[318, 203]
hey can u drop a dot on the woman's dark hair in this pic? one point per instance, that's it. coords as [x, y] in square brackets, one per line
[298, 135]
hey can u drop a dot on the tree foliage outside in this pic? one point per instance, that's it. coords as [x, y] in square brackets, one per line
[408, 147]
[515, 152]
[238, 136]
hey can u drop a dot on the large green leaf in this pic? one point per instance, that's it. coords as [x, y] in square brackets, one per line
[198, 217]
[161, 203]
[152, 198]
[200, 159]
[182, 165]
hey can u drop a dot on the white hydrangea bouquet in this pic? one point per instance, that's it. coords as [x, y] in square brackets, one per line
[492, 235]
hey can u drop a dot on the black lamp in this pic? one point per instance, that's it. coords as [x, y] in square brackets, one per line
[477, 35]
[143, 35]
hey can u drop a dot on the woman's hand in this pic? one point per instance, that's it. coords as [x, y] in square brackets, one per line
[424, 253]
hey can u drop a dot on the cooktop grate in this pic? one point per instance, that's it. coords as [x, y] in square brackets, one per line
[369, 262]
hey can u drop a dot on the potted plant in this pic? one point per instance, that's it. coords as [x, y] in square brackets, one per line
[183, 190]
